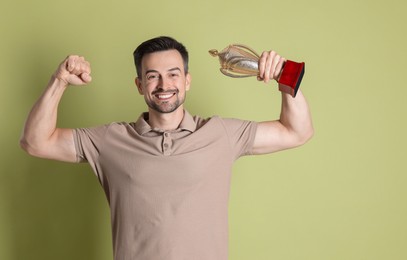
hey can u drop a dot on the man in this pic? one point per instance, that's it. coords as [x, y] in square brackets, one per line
[167, 175]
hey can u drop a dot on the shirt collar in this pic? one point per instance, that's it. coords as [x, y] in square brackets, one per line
[187, 124]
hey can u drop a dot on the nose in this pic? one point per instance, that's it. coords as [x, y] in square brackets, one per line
[164, 83]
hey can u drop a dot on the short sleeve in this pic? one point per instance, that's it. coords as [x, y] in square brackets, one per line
[241, 134]
[88, 143]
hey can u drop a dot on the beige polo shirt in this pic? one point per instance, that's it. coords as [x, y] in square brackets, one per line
[168, 191]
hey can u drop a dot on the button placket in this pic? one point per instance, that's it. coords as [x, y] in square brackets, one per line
[167, 143]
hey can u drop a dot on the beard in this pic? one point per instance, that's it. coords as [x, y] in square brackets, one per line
[166, 106]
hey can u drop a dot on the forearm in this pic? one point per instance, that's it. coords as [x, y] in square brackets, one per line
[296, 117]
[40, 125]
[294, 127]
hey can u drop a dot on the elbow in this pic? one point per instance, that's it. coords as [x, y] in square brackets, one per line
[310, 135]
[23, 143]
[306, 135]
[301, 136]
[25, 146]
[28, 148]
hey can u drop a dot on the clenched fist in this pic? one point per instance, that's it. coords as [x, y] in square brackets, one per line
[74, 70]
[270, 66]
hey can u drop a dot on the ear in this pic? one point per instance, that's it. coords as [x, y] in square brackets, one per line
[188, 81]
[139, 86]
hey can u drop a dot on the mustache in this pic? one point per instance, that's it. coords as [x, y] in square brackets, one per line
[162, 91]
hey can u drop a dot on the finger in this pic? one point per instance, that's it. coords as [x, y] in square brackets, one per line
[279, 68]
[270, 66]
[71, 63]
[78, 65]
[262, 65]
[86, 78]
[273, 71]
[87, 68]
[74, 70]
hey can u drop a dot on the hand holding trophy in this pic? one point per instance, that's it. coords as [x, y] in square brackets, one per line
[240, 61]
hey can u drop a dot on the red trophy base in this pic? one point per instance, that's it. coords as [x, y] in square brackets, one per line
[291, 76]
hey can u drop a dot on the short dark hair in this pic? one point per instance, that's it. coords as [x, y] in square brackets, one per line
[161, 43]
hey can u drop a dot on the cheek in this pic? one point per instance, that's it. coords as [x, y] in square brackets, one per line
[149, 87]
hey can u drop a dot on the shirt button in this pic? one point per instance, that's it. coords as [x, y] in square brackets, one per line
[165, 146]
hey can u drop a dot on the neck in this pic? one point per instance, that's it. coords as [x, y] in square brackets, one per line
[165, 121]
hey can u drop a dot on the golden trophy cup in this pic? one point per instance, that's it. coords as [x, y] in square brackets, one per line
[240, 61]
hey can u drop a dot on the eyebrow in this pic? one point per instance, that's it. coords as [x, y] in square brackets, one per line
[155, 71]
[176, 68]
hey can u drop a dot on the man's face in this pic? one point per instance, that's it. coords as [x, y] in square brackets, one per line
[163, 81]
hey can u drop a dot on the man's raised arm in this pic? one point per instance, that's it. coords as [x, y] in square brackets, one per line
[294, 127]
[41, 137]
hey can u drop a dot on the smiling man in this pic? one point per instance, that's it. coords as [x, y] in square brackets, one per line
[163, 80]
[167, 175]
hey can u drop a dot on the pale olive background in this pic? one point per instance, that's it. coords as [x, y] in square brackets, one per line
[341, 196]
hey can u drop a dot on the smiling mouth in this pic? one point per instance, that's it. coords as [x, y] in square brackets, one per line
[164, 96]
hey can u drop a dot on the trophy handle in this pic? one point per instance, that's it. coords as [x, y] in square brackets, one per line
[225, 72]
[249, 50]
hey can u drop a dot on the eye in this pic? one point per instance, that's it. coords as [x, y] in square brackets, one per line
[152, 76]
[174, 74]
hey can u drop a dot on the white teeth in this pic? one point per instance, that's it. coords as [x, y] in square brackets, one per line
[165, 96]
